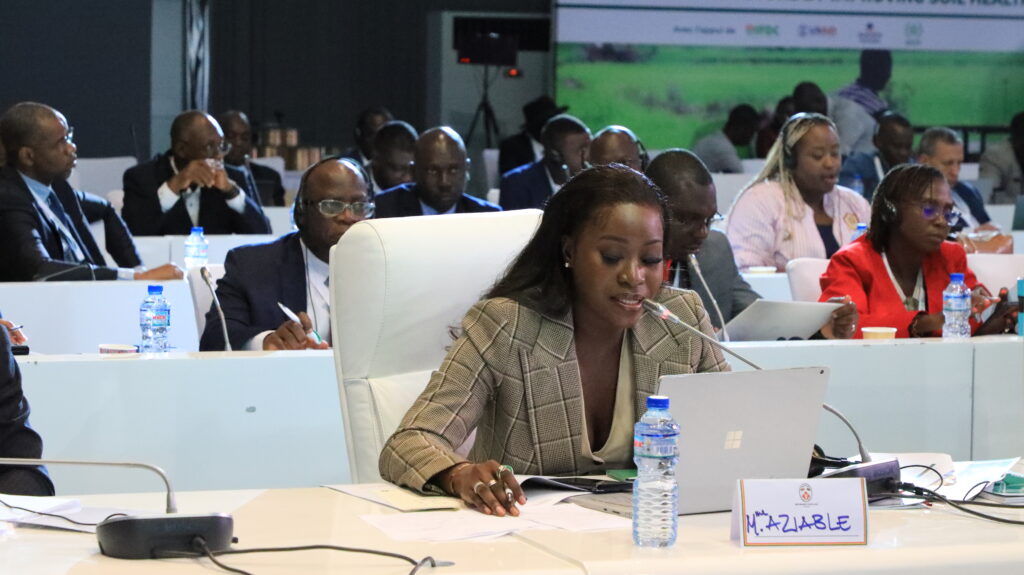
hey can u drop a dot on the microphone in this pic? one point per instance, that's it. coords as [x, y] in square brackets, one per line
[208, 280]
[662, 312]
[714, 303]
[76, 267]
[128, 537]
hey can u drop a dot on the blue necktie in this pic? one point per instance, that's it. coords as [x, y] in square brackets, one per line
[71, 247]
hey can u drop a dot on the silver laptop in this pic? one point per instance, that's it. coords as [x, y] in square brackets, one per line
[736, 425]
[767, 320]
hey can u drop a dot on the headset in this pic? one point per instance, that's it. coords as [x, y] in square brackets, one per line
[645, 156]
[788, 157]
[299, 205]
[888, 212]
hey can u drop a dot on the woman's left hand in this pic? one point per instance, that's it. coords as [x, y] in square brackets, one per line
[843, 324]
[16, 335]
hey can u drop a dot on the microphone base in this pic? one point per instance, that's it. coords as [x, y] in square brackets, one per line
[156, 536]
[880, 476]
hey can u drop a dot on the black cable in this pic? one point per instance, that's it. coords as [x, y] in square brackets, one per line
[68, 519]
[967, 495]
[942, 480]
[200, 545]
[928, 494]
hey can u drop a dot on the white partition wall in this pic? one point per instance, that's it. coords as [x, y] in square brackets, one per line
[219, 246]
[211, 420]
[76, 317]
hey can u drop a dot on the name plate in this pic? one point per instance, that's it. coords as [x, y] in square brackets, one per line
[772, 512]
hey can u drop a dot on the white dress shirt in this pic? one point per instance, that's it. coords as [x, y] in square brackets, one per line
[318, 300]
[191, 196]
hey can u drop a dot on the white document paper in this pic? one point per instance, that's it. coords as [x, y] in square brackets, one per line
[56, 505]
[398, 498]
[973, 476]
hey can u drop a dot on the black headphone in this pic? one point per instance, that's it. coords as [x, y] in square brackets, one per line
[299, 205]
[888, 212]
[788, 157]
[645, 157]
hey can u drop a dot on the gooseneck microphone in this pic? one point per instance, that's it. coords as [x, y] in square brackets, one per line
[662, 312]
[208, 280]
[172, 507]
[149, 537]
[714, 303]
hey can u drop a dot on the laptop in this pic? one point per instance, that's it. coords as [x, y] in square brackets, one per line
[766, 320]
[735, 425]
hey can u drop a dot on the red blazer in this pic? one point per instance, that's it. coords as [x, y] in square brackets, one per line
[857, 270]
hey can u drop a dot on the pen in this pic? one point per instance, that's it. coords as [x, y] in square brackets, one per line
[291, 315]
[15, 327]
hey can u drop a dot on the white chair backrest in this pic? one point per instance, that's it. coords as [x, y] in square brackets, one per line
[491, 167]
[201, 296]
[727, 187]
[805, 277]
[100, 175]
[116, 199]
[494, 195]
[275, 163]
[997, 271]
[397, 288]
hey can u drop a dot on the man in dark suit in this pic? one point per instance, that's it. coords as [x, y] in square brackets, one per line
[691, 195]
[293, 269]
[525, 147]
[368, 123]
[266, 181]
[394, 151]
[439, 170]
[894, 143]
[17, 438]
[942, 149]
[566, 149]
[44, 229]
[190, 186]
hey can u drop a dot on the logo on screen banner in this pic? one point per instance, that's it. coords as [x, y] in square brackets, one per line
[816, 31]
[806, 493]
[764, 30]
[869, 35]
[913, 32]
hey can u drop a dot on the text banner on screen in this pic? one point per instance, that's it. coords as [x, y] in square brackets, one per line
[945, 8]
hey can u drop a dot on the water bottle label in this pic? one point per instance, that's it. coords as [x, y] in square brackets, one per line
[958, 303]
[160, 320]
[655, 445]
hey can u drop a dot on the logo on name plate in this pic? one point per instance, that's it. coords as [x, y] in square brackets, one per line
[805, 492]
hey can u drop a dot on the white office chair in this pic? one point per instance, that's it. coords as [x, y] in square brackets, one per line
[116, 199]
[998, 270]
[100, 175]
[397, 287]
[804, 278]
[201, 296]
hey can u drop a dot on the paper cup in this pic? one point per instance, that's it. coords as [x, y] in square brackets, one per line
[878, 332]
[117, 348]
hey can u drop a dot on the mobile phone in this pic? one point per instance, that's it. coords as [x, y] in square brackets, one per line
[596, 485]
[19, 349]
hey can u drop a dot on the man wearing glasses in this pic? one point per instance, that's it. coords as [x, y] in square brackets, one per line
[189, 185]
[293, 270]
[942, 149]
[44, 222]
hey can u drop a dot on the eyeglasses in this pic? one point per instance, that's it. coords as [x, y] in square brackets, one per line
[69, 138]
[331, 208]
[929, 210]
[213, 148]
[697, 224]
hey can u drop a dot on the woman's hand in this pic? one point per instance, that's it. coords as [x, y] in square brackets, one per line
[16, 335]
[843, 324]
[488, 487]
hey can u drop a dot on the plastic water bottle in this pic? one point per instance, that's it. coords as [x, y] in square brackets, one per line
[956, 307]
[858, 185]
[155, 320]
[655, 490]
[196, 246]
[860, 231]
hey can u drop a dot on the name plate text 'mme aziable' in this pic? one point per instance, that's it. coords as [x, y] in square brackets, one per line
[773, 512]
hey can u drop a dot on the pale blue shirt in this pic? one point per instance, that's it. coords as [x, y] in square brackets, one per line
[429, 211]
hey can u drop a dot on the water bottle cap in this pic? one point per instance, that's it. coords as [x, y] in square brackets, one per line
[956, 278]
[197, 230]
[861, 227]
[657, 402]
[156, 290]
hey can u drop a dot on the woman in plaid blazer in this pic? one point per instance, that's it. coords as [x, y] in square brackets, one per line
[555, 364]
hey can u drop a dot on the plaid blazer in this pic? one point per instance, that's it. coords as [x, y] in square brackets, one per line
[512, 375]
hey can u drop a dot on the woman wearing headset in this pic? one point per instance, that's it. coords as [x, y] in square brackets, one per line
[794, 208]
[897, 271]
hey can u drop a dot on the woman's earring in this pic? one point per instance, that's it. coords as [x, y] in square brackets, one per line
[567, 264]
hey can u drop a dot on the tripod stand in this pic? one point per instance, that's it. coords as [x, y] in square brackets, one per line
[483, 109]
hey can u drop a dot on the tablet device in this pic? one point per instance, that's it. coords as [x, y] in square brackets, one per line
[767, 320]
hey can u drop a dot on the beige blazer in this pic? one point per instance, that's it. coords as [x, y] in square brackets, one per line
[512, 375]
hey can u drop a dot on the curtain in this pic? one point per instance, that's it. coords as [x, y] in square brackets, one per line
[197, 54]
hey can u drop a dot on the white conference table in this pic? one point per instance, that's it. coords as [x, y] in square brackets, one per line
[214, 420]
[272, 419]
[935, 541]
[76, 317]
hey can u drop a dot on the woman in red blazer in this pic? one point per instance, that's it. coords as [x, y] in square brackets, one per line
[896, 272]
